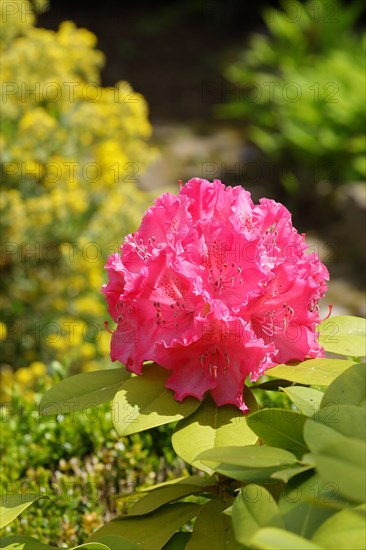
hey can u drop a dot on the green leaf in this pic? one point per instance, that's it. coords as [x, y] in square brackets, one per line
[250, 456]
[346, 466]
[210, 427]
[348, 388]
[318, 435]
[212, 529]
[81, 391]
[313, 490]
[344, 530]
[114, 542]
[196, 480]
[144, 402]
[286, 475]
[306, 502]
[280, 428]
[254, 508]
[271, 538]
[23, 542]
[347, 420]
[13, 505]
[153, 530]
[307, 400]
[338, 459]
[178, 541]
[162, 495]
[345, 335]
[313, 372]
[248, 463]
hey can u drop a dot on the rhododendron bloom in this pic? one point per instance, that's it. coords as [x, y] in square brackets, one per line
[214, 288]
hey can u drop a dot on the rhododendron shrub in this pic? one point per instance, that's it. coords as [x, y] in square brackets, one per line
[215, 289]
[210, 290]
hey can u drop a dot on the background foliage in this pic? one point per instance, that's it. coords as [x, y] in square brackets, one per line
[298, 91]
[71, 153]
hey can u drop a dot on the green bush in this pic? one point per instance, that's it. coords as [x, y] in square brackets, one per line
[299, 91]
[76, 459]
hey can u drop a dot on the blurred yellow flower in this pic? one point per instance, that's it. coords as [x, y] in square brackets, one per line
[3, 331]
[24, 375]
[38, 368]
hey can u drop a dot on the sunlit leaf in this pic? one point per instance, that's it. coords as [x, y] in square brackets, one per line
[349, 388]
[280, 428]
[348, 420]
[313, 372]
[272, 538]
[302, 505]
[345, 335]
[250, 456]
[163, 495]
[210, 427]
[307, 400]
[83, 390]
[249, 463]
[344, 530]
[153, 530]
[338, 459]
[144, 402]
[254, 508]
[23, 542]
[13, 505]
[212, 529]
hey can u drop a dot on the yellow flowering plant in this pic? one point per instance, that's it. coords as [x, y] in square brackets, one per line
[67, 144]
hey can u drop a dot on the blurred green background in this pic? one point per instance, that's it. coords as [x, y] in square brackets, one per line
[102, 110]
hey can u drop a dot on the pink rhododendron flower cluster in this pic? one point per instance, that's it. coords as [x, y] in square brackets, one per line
[214, 288]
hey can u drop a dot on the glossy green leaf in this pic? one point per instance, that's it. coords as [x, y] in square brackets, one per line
[307, 400]
[115, 542]
[144, 402]
[272, 538]
[163, 495]
[349, 388]
[338, 459]
[313, 372]
[280, 428]
[346, 466]
[347, 420]
[299, 516]
[212, 529]
[83, 390]
[344, 530]
[311, 489]
[13, 505]
[250, 456]
[152, 531]
[246, 475]
[210, 427]
[318, 435]
[345, 335]
[178, 541]
[196, 480]
[253, 462]
[23, 542]
[253, 509]
[289, 473]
